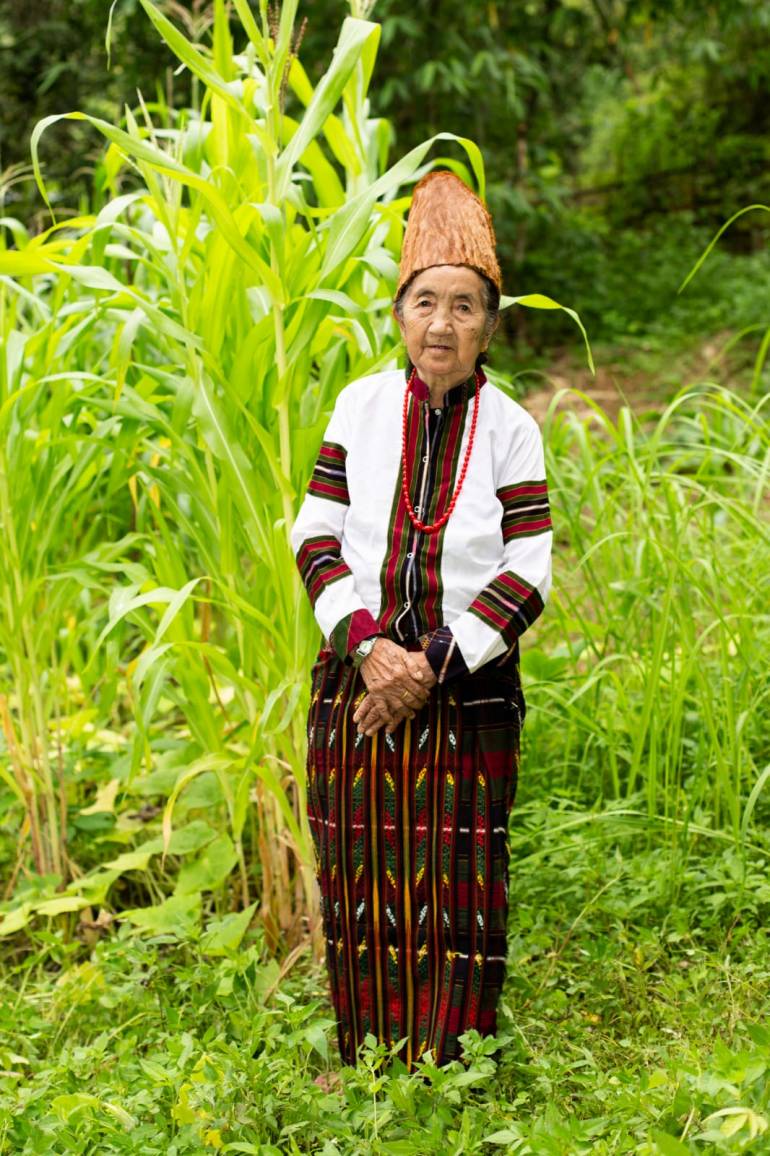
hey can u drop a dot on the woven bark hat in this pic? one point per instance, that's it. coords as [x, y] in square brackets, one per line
[448, 225]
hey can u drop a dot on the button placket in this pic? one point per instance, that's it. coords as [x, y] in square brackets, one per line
[432, 429]
[422, 479]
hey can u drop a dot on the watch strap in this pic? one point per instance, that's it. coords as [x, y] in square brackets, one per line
[357, 657]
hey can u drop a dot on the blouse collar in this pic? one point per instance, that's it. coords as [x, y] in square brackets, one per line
[458, 393]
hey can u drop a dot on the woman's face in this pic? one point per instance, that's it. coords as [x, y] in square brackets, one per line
[443, 324]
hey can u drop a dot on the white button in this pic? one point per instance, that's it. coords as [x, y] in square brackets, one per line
[410, 555]
[425, 458]
[418, 509]
[406, 606]
[437, 411]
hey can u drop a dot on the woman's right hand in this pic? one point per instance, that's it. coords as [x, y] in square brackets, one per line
[388, 675]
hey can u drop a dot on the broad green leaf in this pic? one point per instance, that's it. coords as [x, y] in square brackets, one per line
[61, 905]
[209, 869]
[25, 263]
[224, 935]
[184, 840]
[340, 143]
[130, 861]
[105, 799]
[15, 920]
[69, 1105]
[353, 36]
[504, 1136]
[668, 1145]
[124, 601]
[192, 58]
[94, 888]
[210, 762]
[179, 915]
[121, 1115]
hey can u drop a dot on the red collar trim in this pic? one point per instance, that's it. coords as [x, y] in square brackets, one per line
[458, 393]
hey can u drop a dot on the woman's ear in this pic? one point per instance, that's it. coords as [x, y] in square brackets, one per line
[488, 336]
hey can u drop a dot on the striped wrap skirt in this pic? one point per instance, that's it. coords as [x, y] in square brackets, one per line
[411, 852]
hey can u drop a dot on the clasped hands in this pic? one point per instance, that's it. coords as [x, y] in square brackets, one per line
[398, 683]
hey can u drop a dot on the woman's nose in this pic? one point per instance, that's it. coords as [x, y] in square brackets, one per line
[440, 321]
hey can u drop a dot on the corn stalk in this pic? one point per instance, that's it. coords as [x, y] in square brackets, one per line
[171, 359]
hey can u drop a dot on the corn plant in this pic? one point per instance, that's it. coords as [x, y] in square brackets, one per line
[169, 363]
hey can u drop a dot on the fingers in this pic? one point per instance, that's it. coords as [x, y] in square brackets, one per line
[371, 714]
[370, 707]
[410, 678]
[408, 689]
[417, 662]
[401, 700]
[397, 698]
[392, 726]
[374, 712]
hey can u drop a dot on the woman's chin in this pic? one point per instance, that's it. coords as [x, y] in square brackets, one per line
[437, 361]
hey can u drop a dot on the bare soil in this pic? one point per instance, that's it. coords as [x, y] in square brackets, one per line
[622, 378]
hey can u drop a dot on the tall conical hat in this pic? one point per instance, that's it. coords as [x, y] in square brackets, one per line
[448, 225]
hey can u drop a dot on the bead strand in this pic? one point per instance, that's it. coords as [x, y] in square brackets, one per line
[434, 526]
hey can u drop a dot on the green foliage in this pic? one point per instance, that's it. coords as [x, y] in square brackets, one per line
[168, 361]
[649, 672]
[626, 281]
[627, 1025]
[53, 55]
[603, 125]
[172, 362]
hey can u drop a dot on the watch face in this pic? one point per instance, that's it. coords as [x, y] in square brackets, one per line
[365, 647]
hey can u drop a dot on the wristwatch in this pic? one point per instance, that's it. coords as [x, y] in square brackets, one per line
[363, 648]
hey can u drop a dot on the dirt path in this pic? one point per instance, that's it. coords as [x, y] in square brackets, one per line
[621, 379]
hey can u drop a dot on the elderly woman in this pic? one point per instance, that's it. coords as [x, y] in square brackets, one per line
[424, 543]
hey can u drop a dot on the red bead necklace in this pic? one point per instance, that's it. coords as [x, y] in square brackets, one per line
[418, 525]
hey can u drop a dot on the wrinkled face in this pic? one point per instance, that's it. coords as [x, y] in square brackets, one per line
[443, 323]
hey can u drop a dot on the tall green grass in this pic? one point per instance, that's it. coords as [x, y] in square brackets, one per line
[649, 679]
[169, 365]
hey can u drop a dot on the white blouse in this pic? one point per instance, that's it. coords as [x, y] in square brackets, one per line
[465, 593]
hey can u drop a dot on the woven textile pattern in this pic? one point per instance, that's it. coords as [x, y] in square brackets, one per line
[410, 839]
[329, 479]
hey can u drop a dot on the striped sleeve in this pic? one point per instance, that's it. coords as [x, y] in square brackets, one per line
[316, 539]
[502, 611]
